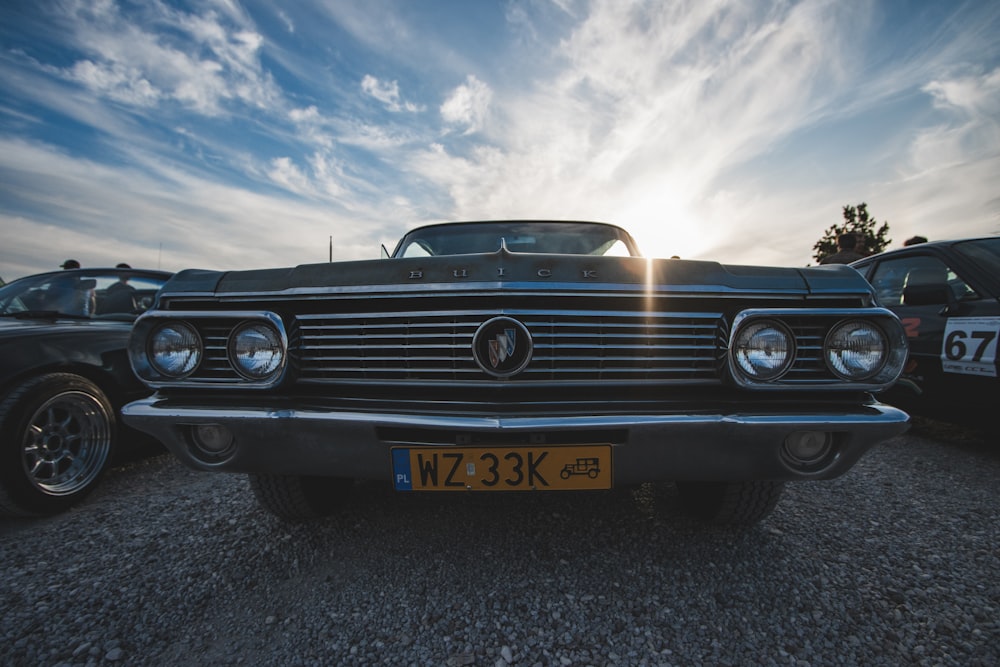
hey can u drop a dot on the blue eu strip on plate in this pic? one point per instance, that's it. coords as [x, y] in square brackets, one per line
[401, 470]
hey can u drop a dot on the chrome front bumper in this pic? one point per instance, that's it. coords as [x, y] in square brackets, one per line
[743, 446]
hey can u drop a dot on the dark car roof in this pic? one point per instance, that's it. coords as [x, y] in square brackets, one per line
[93, 271]
[920, 247]
[946, 250]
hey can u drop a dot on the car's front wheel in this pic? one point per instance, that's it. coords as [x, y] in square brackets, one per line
[730, 503]
[299, 498]
[57, 433]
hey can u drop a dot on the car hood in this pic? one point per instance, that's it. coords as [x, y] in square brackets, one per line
[11, 327]
[504, 269]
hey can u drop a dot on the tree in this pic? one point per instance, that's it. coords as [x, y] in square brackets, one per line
[857, 221]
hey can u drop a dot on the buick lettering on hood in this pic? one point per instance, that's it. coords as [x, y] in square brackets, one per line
[519, 356]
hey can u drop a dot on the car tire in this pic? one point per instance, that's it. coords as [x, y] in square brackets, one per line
[297, 498]
[57, 436]
[730, 503]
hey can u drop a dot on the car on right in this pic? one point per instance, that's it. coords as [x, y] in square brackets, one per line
[947, 295]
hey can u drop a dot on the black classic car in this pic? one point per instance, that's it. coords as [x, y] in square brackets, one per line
[947, 294]
[519, 356]
[64, 375]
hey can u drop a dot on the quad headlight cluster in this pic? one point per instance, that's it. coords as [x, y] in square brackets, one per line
[853, 348]
[175, 349]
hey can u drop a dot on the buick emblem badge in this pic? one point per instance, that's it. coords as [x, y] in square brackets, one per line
[502, 347]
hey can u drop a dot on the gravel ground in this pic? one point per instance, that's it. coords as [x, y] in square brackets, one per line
[895, 563]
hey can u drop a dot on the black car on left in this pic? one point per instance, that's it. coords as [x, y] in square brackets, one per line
[64, 375]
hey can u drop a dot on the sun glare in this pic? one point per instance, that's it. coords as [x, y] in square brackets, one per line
[666, 229]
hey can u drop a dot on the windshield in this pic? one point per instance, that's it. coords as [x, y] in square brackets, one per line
[563, 238]
[89, 293]
[984, 253]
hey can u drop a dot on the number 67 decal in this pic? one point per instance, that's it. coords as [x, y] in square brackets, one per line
[970, 345]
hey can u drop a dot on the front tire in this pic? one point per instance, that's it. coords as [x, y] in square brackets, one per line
[296, 498]
[730, 503]
[57, 434]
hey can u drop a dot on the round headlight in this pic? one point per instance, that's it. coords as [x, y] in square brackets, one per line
[255, 350]
[764, 350]
[175, 349]
[856, 350]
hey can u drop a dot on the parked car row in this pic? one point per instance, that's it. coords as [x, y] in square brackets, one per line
[492, 356]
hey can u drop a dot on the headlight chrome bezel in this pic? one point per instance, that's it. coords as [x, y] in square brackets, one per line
[773, 338]
[839, 365]
[182, 330]
[240, 336]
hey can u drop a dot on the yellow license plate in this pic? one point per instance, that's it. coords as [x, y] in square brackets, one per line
[560, 468]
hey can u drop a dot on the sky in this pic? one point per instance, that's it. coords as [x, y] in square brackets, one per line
[229, 134]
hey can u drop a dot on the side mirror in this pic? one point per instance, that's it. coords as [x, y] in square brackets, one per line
[931, 295]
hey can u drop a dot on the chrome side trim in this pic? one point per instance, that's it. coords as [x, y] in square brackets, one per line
[488, 288]
[874, 413]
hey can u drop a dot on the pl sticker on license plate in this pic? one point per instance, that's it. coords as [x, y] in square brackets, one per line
[560, 468]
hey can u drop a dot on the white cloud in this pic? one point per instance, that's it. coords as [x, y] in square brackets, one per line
[387, 92]
[972, 105]
[654, 103]
[644, 114]
[939, 191]
[286, 174]
[202, 61]
[118, 82]
[468, 105]
[307, 115]
[975, 95]
[81, 210]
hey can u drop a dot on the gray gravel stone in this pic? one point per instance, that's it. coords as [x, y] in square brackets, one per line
[894, 563]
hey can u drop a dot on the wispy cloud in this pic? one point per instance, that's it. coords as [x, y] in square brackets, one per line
[175, 220]
[468, 105]
[201, 61]
[244, 136]
[653, 104]
[387, 92]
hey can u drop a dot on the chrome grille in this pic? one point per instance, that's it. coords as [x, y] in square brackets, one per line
[809, 363]
[215, 364]
[568, 346]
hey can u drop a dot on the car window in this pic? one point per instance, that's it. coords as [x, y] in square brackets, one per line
[892, 276]
[864, 269]
[984, 253]
[82, 293]
[564, 238]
